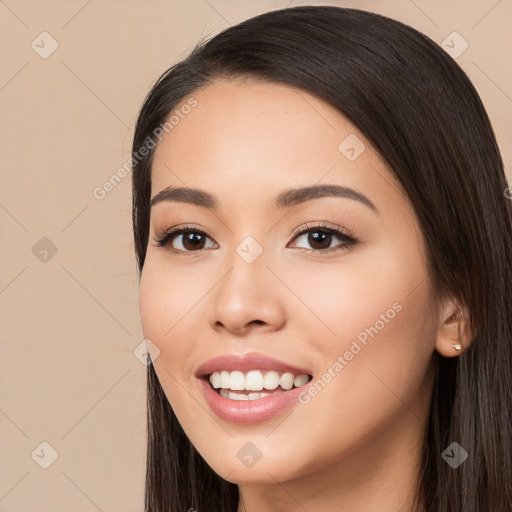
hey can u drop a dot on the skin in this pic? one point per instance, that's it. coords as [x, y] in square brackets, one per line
[356, 445]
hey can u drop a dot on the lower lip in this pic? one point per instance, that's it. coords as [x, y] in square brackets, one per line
[249, 411]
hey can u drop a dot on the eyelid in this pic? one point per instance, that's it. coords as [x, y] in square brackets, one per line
[163, 237]
[322, 225]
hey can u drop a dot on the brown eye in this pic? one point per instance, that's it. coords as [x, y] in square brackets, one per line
[190, 239]
[320, 238]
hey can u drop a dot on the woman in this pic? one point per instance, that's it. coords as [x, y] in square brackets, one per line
[372, 372]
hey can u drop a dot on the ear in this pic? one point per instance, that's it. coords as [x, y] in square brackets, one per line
[454, 334]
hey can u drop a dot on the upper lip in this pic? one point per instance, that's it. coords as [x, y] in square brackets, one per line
[246, 362]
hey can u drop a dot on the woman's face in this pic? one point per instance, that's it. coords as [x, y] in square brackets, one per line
[355, 316]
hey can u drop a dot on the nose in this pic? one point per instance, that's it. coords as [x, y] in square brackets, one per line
[247, 298]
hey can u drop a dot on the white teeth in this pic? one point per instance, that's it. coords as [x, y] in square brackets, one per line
[300, 380]
[237, 396]
[215, 379]
[237, 381]
[271, 380]
[233, 395]
[224, 379]
[287, 380]
[256, 380]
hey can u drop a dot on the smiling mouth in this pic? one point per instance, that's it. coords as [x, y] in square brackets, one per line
[255, 384]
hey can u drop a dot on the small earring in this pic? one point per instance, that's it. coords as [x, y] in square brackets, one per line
[457, 347]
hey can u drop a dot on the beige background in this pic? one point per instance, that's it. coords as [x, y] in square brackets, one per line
[69, 320]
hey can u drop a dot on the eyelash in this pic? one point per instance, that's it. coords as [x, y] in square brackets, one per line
[348, 239]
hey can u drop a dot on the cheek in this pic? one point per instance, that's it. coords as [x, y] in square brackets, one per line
[167, 298]
[153, 305]
[375, 341]
[363, 287]
[162, 305]
[166, 303]
[372, 308]
[172, 301]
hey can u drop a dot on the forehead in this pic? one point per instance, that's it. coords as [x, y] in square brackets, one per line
[256, 138]
[243, 121]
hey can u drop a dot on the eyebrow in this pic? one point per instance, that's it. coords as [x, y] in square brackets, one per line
[285, 199]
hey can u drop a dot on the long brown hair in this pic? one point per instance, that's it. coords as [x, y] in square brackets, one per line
[421, 112]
